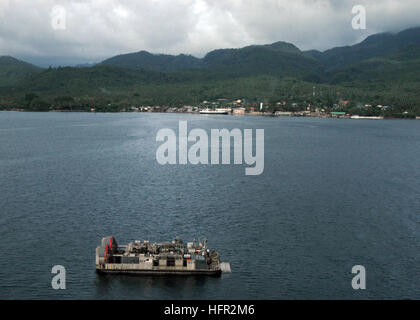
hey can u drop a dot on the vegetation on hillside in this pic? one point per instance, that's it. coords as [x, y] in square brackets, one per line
[280, 75]
[13, 70]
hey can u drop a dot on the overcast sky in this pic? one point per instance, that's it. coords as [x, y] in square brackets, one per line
[97, 29]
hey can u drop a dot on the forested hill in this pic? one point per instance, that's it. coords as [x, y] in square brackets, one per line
[381, 69]
[378, 45]
[279, 58]
[144, 60]
[13, 70]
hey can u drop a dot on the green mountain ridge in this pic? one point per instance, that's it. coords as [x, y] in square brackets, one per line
[13, 70]
[144, 60]
[279, 58]
[377, 45]
[381, 69]
[398, 67]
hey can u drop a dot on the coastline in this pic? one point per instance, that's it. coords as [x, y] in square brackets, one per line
[259, 114]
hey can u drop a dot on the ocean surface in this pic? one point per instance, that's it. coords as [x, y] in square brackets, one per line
[334, 193]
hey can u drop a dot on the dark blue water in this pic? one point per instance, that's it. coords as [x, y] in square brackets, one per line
[334, 194]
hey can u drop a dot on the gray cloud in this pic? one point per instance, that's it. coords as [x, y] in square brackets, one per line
[97, 29]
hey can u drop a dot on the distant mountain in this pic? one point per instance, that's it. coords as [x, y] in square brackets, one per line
[377, 45]
[13, 70]
[280, 58]
[144, 60]
[383, 65]
[399, 68]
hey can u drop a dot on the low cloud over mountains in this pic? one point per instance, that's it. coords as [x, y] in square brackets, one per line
[96, 29]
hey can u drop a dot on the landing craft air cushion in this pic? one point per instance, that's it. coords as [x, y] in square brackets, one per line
[167, 258]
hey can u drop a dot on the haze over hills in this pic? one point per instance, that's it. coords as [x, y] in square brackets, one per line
[382, 68]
